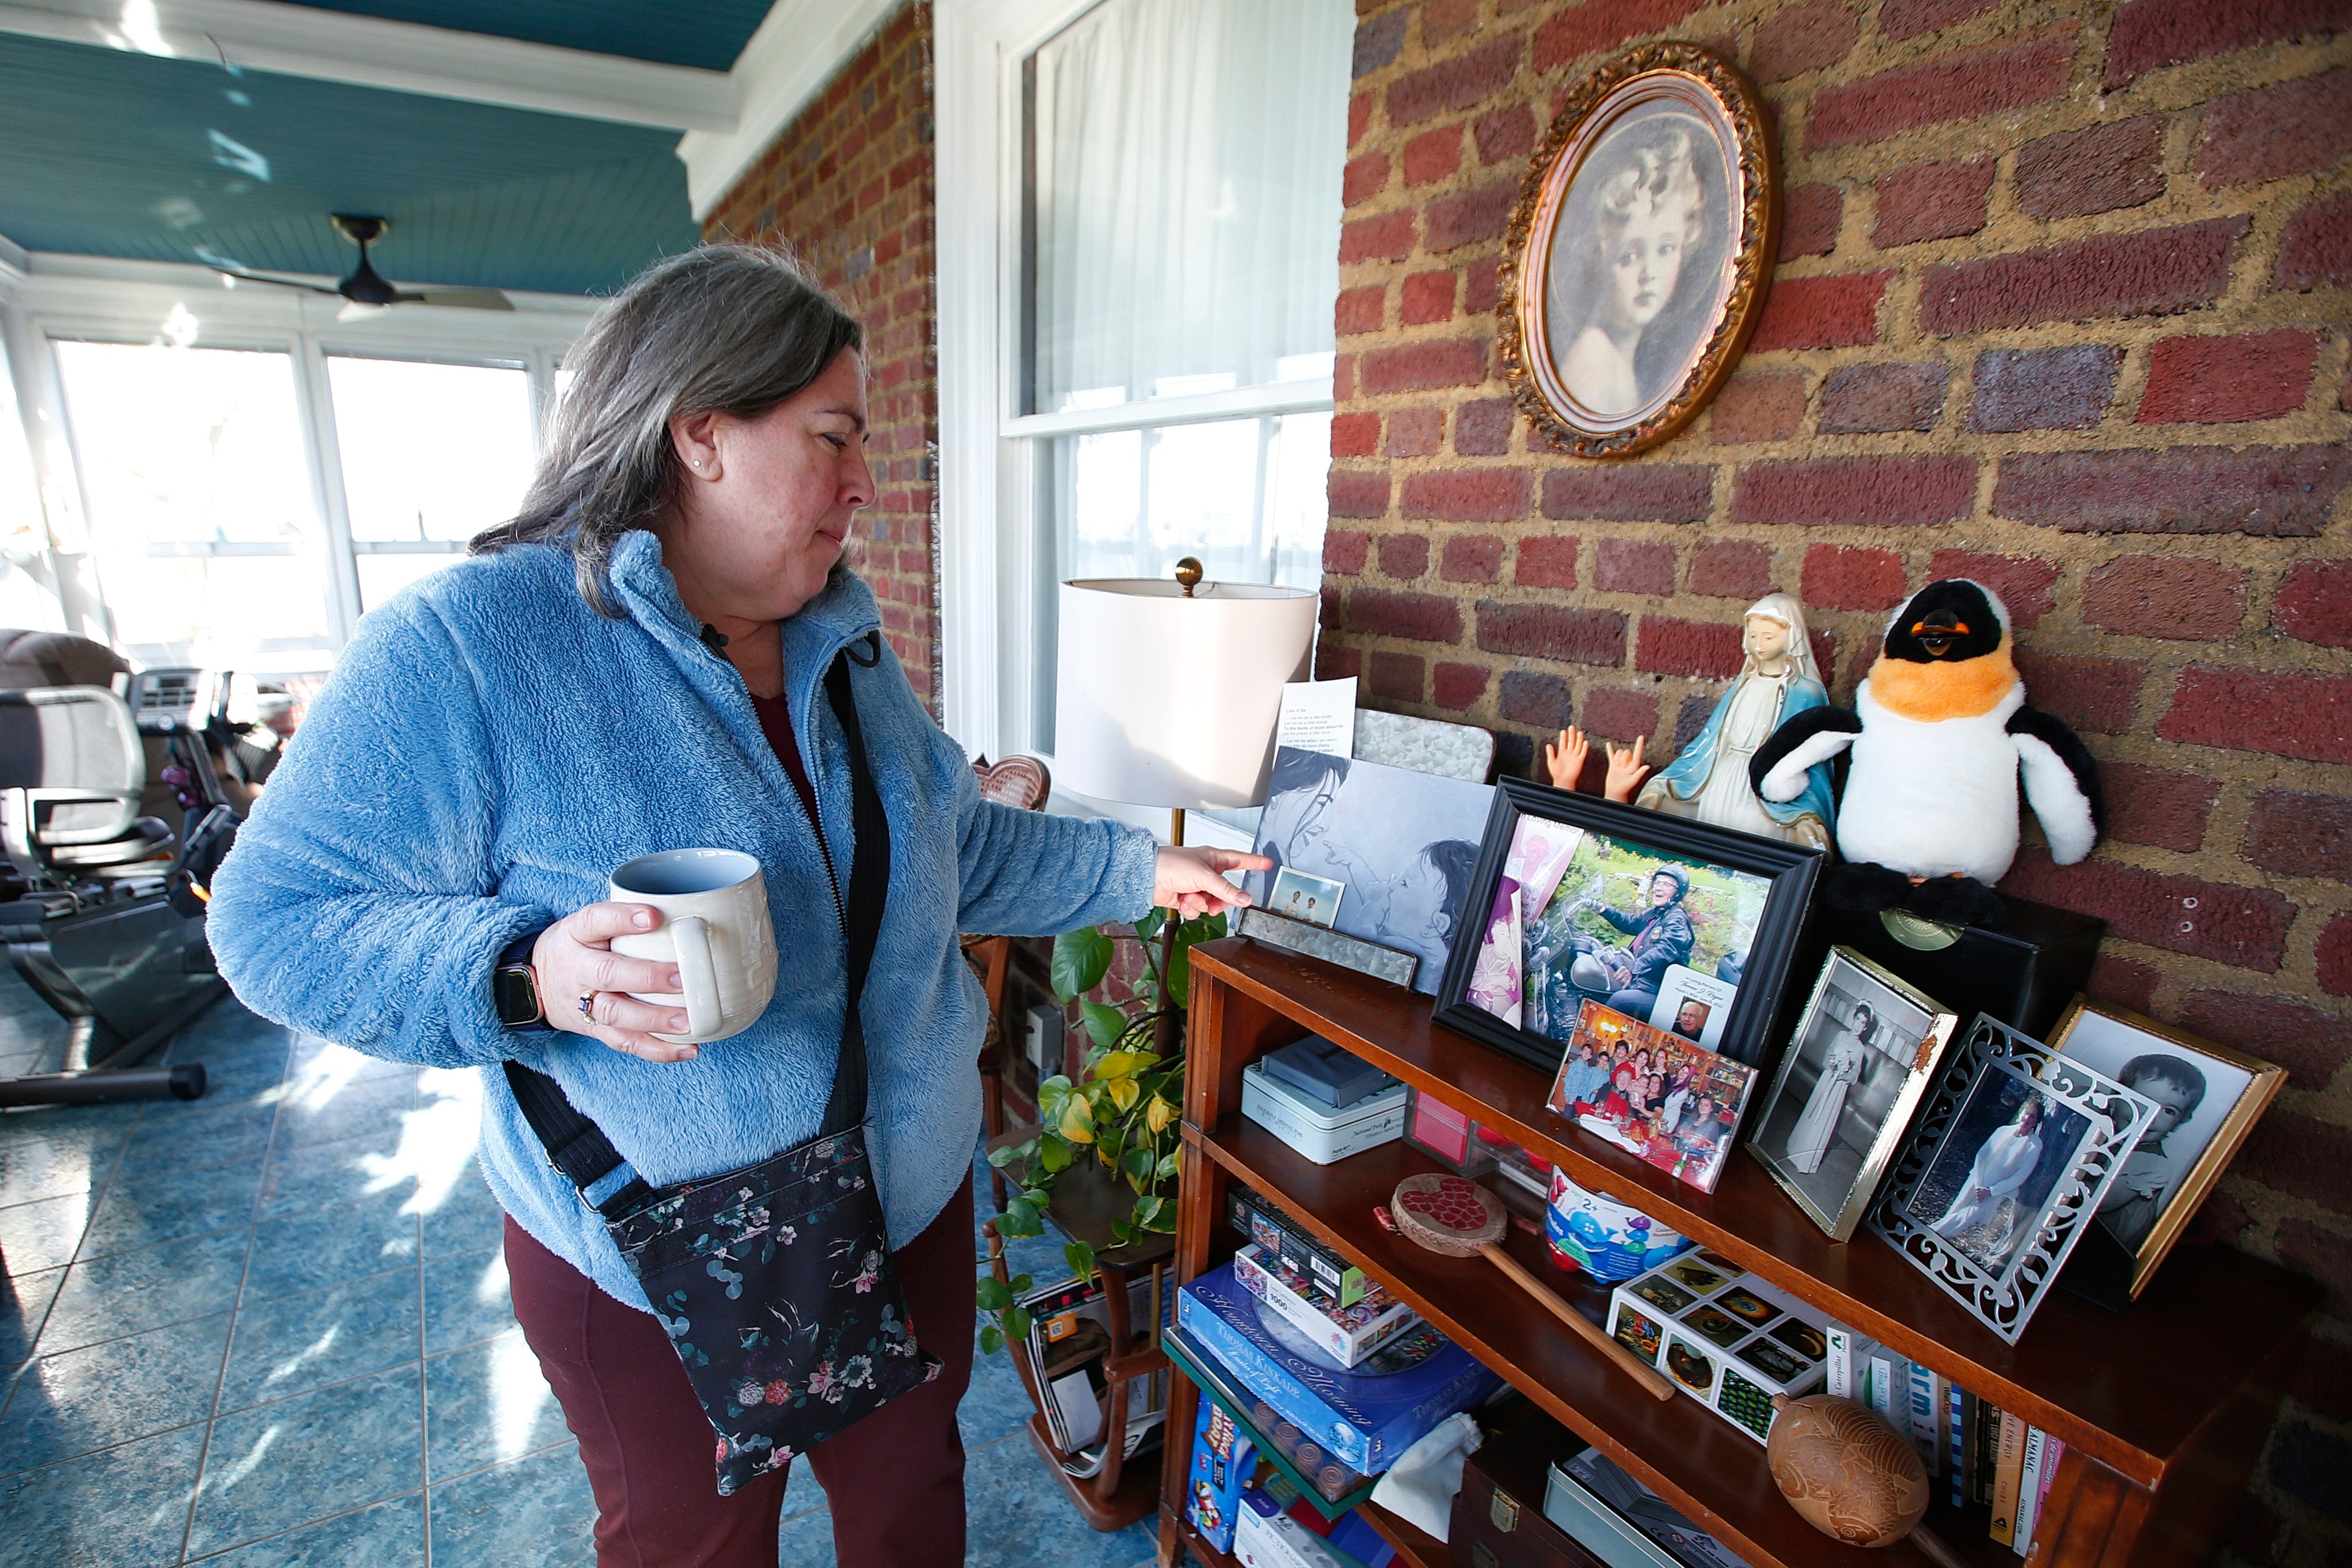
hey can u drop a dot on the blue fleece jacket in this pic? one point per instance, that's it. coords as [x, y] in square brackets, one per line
[489, 747]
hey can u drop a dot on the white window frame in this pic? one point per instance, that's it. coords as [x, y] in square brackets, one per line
[65, 297]
[989, 492]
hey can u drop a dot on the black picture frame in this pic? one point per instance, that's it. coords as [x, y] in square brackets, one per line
[1792, 869]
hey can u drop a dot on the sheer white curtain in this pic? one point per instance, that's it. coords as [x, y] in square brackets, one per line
[1185, 197]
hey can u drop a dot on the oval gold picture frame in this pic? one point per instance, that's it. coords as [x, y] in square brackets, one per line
[1626, 297]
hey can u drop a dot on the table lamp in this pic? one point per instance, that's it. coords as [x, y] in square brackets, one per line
[1167, 692]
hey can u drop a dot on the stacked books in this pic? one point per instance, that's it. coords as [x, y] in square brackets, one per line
[1362, 1416]
[1981, 1455]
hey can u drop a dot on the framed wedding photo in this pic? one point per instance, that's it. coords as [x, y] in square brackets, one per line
[1638, 255]
[2004, 1170]
[2207, 1097]
[1862, 1057]
[1578, 899]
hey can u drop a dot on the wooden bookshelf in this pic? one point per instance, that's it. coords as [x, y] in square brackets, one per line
[2161, 1407]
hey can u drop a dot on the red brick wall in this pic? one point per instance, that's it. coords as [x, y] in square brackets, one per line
[2061, 304]
[848, 186]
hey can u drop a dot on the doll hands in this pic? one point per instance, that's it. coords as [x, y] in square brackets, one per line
[1626, 772]
[1565, 759]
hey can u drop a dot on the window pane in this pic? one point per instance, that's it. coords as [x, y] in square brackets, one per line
[430, 452]
[382, 576]
[1245, 496]
[200, 502]
[1184, 235]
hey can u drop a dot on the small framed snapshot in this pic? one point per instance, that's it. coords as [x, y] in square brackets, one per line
[1313, 899]
[1653, 1095]
[2207, 1097]
[1862, 1057]
[1581, 899]
[1638, 256]
[2005, 1169]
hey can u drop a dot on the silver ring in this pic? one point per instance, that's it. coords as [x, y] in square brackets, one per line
[587, 1004]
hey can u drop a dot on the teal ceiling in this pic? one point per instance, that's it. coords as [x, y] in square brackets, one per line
[707, 33]
[108, 152]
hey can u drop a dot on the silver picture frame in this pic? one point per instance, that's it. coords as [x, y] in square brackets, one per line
[2010, 1189]
[1866, 1049]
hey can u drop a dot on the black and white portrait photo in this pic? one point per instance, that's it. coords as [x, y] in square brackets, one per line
[1403, 844]
[1846, 1088]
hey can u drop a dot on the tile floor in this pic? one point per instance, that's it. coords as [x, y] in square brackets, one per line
[270, 1328]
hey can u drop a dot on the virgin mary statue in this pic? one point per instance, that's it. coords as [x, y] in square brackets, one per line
[1710, 779]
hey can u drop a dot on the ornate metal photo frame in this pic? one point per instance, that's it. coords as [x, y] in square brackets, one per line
[2004, 1169]
[1640, 251]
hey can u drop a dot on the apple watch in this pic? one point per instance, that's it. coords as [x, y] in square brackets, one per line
[514, 985]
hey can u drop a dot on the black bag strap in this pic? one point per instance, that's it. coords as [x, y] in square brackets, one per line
[578, 1148]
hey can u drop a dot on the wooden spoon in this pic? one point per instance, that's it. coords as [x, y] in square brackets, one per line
[1460, 1219]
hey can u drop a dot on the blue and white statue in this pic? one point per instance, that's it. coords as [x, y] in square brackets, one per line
[1710, 779]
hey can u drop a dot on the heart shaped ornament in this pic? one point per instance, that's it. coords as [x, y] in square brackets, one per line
[1447, 1214]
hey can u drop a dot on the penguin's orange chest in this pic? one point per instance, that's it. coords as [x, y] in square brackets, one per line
[1934, 692]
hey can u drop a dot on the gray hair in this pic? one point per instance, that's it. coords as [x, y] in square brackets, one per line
[724, 329]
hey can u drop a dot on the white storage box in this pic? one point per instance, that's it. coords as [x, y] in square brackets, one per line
[1315, 1130]
[1722, 1336]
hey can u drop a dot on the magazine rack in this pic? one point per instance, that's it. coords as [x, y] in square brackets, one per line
[2162, 1408]
[1117, 1494]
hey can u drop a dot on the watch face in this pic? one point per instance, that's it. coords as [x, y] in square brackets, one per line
[515, 996]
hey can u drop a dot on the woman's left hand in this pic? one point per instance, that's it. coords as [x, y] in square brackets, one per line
[1192, 882]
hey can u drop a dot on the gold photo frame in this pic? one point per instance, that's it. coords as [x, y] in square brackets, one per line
[1640, 251]
[2230, 1091]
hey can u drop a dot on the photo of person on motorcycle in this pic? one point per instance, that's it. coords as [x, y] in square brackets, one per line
[1626, 976]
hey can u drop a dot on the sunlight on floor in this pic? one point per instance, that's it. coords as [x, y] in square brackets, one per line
[517, 1394]
[437, 1141]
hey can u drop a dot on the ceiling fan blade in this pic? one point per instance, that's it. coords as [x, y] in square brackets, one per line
[244, 277]
[355, 312]
[463, 298]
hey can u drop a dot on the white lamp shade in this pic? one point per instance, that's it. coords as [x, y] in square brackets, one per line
[1161, 700]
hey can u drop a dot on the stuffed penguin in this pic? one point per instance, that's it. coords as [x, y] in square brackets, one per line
[1941, 738]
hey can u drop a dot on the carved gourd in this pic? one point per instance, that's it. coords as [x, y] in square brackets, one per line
[1851, 1475]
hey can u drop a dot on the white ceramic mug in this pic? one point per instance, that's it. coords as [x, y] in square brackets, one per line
[715, 928]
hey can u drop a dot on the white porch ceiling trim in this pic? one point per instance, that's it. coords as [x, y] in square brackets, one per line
[438, 62]
[798, 48]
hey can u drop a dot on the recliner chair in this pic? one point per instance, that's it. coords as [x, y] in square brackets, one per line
[107, 918]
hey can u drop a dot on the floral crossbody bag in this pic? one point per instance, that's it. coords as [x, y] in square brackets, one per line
[775, 1282]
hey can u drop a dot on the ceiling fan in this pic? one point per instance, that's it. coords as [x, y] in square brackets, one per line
[365, 292]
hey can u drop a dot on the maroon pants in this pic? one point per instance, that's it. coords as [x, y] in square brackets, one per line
[895, 1479]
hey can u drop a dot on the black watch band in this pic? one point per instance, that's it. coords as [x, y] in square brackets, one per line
[514, 985]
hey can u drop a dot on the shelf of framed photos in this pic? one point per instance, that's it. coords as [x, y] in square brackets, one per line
[2160, 1407]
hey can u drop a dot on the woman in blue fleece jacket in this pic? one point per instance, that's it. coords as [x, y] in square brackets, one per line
[633, 664]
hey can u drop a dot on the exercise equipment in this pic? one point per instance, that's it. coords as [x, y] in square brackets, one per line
[102, 908]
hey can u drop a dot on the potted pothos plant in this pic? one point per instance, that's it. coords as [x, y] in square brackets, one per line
[1118, 1123]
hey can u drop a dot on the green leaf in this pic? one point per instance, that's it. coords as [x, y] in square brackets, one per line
[1005, 1157]
[1081, 958]
[991, 1340]
[1019, 1218]
[1016, 1323]
[1053, 1154]
[1104, 1022]
[1081, 1258]
[1180, 975]
[1126, 1233]
[1022, 1282]
[992, 1294]
[1169, 1163]
[1148, 928]
[1137, 1165]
